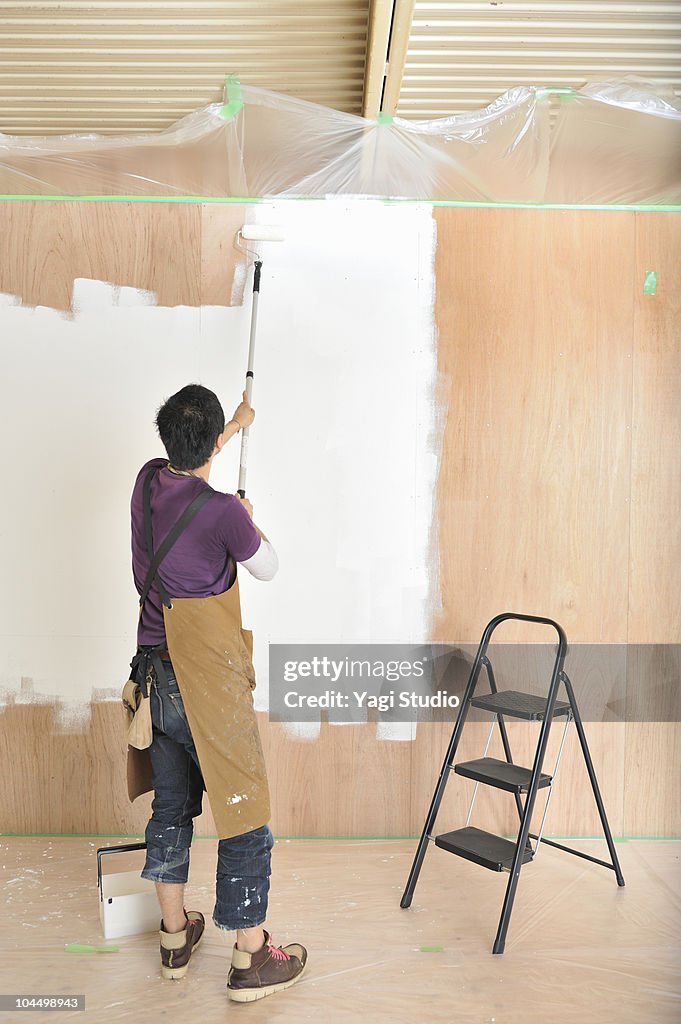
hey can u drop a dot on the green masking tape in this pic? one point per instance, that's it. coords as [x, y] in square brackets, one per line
[650, 283]
[373, 839]
[432, 949]
[241, 200]
[565, 92]
[77, 947]
[383, 118]
[235, 103]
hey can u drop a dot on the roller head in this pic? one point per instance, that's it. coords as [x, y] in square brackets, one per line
[262, 232]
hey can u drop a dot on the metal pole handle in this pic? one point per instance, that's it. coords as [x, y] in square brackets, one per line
[241, 489]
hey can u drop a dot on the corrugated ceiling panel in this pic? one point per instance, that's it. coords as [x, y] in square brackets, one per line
[119, 67]
[463, 55]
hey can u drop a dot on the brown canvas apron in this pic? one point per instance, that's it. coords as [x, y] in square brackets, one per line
[211, 657]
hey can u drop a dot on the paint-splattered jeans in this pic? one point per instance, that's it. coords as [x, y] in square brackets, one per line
[243, 869]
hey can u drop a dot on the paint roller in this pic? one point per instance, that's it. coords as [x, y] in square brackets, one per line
[252, 233]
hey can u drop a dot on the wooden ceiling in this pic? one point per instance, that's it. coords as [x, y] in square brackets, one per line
[118, 67]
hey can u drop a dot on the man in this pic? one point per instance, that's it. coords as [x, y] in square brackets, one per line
[194, 663]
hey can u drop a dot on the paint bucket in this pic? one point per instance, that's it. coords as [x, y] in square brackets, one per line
[128, 904]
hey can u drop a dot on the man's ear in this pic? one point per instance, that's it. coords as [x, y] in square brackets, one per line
[219, 441]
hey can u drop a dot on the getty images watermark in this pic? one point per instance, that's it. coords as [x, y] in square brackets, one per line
[426, 682]
[354, 682]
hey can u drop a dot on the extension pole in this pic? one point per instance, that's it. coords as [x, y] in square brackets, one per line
[241, 491]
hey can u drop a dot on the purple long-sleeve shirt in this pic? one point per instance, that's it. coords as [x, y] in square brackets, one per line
[198, 564]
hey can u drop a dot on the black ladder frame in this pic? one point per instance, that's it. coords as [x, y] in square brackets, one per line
[525, 813]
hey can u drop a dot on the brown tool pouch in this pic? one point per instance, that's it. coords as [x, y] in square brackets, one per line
[138, 712]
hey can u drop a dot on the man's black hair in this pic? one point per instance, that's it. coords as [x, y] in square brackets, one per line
[188, 423]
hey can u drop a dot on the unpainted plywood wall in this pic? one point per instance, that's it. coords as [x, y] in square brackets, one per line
[558, 491]
[560, 478]
[182, 252]
[560, 473]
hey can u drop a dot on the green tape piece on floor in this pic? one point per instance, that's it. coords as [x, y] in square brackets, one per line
[432, 949]
[650, 283]
[77, 947]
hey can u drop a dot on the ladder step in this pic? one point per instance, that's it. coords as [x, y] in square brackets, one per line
[483, 848]
[500, 774]
[518, 705]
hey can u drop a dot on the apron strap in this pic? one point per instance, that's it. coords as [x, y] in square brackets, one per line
[182, 523]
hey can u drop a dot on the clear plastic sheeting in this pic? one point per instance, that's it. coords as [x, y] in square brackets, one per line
[580, 950]
[198, 156]
[608, 144]
[613, 144]
[296, 149]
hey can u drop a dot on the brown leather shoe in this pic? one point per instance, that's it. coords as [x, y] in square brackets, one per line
[271, 969]
[177, 947]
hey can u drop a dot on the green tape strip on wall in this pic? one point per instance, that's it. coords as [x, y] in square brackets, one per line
[323, 199]
[650, 283]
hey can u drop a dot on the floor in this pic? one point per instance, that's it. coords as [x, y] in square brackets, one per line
[579, 949]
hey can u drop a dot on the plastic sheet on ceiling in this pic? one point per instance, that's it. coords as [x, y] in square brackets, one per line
[610, 144]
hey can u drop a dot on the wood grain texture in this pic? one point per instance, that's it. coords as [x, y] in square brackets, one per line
[654, 588]
[653, 745]
[560, 481]
[534, 315]
[182, 253]
[219, 258]
[345, 783]
[652, 779]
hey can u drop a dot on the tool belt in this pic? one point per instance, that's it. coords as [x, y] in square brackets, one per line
[136, 692]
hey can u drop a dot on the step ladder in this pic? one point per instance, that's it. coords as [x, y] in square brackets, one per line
[484, 848]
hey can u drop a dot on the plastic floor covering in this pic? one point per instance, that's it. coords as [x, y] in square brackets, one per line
[579, 950]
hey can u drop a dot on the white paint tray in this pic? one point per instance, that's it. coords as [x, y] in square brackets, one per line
[128, 904]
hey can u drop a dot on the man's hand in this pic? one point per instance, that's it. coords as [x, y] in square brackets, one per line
[244, 414]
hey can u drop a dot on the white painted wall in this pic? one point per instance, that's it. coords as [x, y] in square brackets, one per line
[343, 454]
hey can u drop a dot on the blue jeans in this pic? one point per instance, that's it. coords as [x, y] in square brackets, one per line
[243, 868]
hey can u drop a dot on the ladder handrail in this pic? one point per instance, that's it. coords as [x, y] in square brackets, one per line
[505, 616]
